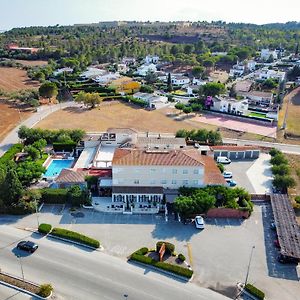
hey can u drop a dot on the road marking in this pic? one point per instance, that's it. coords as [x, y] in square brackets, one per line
[190, 254]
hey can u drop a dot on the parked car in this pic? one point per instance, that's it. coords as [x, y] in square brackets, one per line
[223, 160]
[199, 222]
[227, 174]
[283, 259]
[27, 246]
[231, 182]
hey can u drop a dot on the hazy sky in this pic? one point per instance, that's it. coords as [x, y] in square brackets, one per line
[17, 13]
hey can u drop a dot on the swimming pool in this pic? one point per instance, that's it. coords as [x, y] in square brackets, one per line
[57, 165]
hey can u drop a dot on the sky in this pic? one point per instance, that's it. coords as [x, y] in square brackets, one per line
[20, 13]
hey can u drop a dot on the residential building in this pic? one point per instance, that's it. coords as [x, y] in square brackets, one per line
[236, 152]
[122, 68]
[265, 54]
[251, 65]
[106, 78]
[129, 61]
[157, 142]
[68, 178]
[146, 68]
[230, 105]
[198, 81]
[153, 100]
[243, 86]
[92, 72]
[258, 98]
[151, 59]
[237, 70]
[265, 74]
[62, 70]
[143, 175]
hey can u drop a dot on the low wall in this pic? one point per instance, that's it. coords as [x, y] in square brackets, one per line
[260, 197]
[227, 213]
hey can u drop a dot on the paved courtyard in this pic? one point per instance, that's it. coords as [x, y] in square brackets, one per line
[219, 254]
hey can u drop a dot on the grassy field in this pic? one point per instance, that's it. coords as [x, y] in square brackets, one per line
[10, 117]
[12, 79]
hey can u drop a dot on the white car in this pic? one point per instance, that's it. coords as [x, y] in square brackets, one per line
[199, 222]
[223, 160]
[227, 174]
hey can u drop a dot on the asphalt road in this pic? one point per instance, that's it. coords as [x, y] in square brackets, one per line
[77, 273]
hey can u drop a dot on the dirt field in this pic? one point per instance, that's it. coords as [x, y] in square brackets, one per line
[12, 79]
[32, 63]
[293, 124]
[10, 117]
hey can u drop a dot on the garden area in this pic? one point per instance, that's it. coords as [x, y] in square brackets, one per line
[194, 201]
[163, 257]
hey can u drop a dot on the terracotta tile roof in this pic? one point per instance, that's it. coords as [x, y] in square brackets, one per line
[70, 176]
[137, 157]
[233, 148]
[137, 189]
[212, 174]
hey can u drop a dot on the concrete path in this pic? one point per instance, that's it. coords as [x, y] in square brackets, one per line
[42, 113]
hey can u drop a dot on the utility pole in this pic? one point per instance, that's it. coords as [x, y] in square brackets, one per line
[248, 269]
[20, 260]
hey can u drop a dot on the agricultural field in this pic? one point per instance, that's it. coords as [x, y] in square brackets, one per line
[12, 79]
[10, 117]
[32, 63]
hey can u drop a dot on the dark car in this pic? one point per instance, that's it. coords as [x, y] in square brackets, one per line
[283, 259]
[27, 246]
[277, 244]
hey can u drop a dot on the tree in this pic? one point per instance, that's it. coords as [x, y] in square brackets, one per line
[270, 84]
[282, 169]
[48, 90]
[76, 196]
[179, 106]
[279, 159]
[29, 171]
[213, 89]
[197, 71]
[169, 83]
[146, 89]
[283, 182]
[33, 152]
[89, 99]
[40, 145]
[150, 77]
[214, 137]
[12, 187]
[187, 110]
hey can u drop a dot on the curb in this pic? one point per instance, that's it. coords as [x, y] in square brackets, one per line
[101, 248]
[186, 279]
[22, 290]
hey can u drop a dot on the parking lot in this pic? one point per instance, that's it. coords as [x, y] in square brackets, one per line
[253, 175]
[219, 254]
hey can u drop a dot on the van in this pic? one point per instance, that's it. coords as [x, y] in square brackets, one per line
[223, 160]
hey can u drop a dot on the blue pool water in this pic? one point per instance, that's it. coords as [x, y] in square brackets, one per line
[56, 166]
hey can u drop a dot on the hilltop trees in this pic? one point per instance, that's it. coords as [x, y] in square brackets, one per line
[212, 89]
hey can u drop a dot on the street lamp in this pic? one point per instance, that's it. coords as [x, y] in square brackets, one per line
[248, 269]
[20, 260]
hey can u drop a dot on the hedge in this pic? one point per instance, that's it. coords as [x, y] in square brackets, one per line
[66, 146]
[255, 291]
[75, 236]
[170, 248]
[142, 251]
[162, 265]
[181, 257]
[54, 196]
[10, 153]
[45, 228]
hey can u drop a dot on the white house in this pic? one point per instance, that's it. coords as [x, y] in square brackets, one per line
[266, 53]
[107, 78]
[198, 81]
[146, 68]
[258, 98]
[265, 74]
[151, 59]
[153, 100]
[92, 72]
[237, 70]
[62, 70]
[122, 68]
[129, 61]
[230, 105]
[251, 65]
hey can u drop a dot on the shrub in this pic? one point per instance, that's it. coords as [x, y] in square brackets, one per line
[181, 257]
[170, 248]
[297, 199]
[75, 236]
[255, 291]
[45, 228]
[142, 251]
[65, 146]
[221, 168]
[278, 159]
[162, 265]
[54, 196]
[45, 290]
[10, 154]
[274, 151]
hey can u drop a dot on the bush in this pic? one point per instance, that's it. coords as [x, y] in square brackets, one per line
[162, 265]
[297, 199]
[54, 196]
[221, 168]
[45, 290]
[255, 291]
[181, 257]
[274, 151]
[75, 236]
[170, 248]
[142, 251]
[10, 154]
[45, 228]
[278, 159]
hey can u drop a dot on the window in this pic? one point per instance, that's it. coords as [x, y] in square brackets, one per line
[196, 171]
[152, 182]
[185, 182]
[136, 181]
[164, 181]
[185, 171]
[174, 171]
[174, 181]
